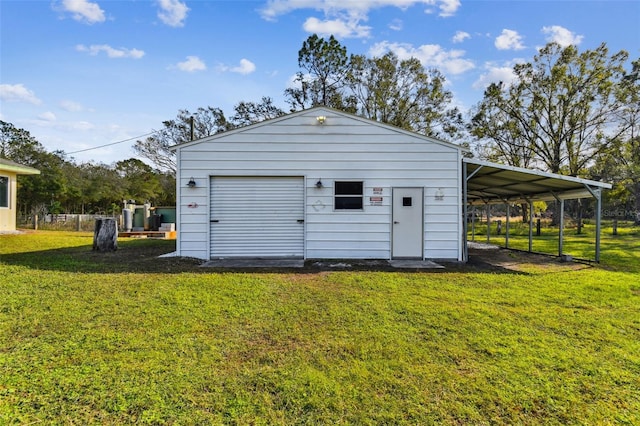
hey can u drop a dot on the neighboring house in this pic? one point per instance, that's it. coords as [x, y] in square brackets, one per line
[8, 191]
[325, 184]
[319, 183]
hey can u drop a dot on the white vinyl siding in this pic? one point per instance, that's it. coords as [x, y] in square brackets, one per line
[257, 216]
[345, 148]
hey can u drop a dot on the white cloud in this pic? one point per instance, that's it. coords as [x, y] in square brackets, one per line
[80, 125]
[448, 7]
[18, 93]
[430, 55]
[396, 25]
[71, 106]
[360, 8]
[561, 35]
[192, 64]
[496, 73]
[245, 67]
[460, 36]
[509, 40]
[172, 12]
[111, 52]
[337, 27]
[47, 116]
[84, 11]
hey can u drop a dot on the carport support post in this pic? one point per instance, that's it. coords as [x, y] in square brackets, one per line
[561, 228]
[530, 225]
[506, 234]
[597, 194]
[473, 224]
[488, 222]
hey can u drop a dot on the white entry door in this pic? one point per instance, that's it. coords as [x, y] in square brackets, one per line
[407, 239]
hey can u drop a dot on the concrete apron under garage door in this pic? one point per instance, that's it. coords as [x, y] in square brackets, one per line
[257, 216]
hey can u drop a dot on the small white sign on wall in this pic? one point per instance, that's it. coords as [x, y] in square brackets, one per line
[375, 201]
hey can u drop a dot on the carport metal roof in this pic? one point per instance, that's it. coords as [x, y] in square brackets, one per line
[491, 183]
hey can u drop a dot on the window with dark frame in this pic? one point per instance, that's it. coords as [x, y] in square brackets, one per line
[348, 195]
[4, 191]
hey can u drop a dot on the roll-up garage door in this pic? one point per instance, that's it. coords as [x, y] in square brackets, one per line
[257, 216]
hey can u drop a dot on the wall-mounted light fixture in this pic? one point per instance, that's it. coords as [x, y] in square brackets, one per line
[321, 119]
[191, 183]
[319, 183]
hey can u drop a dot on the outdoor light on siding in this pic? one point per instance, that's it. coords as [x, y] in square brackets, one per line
[321, 119]
[191, 183]
[319, 183]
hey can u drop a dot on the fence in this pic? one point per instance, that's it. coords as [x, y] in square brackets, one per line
[63, 222]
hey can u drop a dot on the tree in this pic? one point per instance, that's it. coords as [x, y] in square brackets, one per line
[103, 189]
[139, 180]
[560, 109]
[620, 163]
[184, 128]
[324, 65]
[508, 143]
[204, 122]
[247, 113]
[18, 145]
[404, 94]
[36, 193]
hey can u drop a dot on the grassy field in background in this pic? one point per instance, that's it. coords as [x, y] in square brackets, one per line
[617, 251]
[125, 337]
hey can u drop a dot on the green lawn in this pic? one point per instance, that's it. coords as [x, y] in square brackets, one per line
[126, 337]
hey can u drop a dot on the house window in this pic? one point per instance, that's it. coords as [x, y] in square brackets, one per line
[348, 195]
[4, 191]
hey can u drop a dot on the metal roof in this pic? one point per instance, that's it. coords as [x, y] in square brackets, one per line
[494, 183]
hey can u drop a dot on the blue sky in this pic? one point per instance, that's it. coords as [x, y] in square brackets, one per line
[79, 74]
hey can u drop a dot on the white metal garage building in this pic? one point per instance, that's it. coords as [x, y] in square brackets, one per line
[318, 184]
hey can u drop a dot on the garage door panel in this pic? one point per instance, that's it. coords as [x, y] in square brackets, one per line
[257, 216]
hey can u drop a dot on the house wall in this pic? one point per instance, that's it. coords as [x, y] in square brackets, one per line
[344, 148]
[8, 214]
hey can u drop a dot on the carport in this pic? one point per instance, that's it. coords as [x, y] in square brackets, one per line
[486, 183]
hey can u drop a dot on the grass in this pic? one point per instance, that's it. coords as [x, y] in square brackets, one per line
[125, 337]
[616, 250]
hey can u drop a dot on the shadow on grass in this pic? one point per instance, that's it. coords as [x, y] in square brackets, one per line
[142, 256]
[133, 256]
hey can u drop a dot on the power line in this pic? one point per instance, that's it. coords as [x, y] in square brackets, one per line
[110, 144]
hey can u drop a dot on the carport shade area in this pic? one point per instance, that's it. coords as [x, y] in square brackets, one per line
[486, 183]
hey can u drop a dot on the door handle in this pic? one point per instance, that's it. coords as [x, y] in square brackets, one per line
[214, 221]
[300, 220]
[395, 222]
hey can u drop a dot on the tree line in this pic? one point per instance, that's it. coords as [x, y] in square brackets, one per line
[566, 111]
[63, 186]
